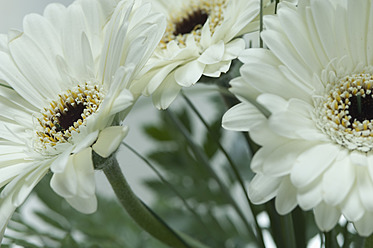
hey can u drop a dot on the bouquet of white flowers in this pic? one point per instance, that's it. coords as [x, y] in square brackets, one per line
[283, 156]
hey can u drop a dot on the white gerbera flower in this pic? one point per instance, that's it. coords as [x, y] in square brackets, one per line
[201, 38]
[316, 81]
[69, 83]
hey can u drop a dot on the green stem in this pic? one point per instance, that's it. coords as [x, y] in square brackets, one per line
[136, 209]
[330, 241]
[197, 151]
[288, 231]
[194, 213]
[369, 242]
[5, 86]
[277, 1]
[261, 24]
[230, 162]
[299, 227]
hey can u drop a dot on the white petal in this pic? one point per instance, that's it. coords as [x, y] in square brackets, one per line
[337, 181]
[59, 164]
[272, 102]
[358, 158]
[263, 188]
[189, 74]
[83, 205]
[65, 183]
[364, 226]
[352, 208]
[291, 124]
[109, 140]
[41, 73]
[83, 166]
[6, 211]
[242, 117]
[310, 196]
[286, 199]
[326, 216]
[215, 70]
[10, 73]
[233, 49]
[213, 54]
[122, 101]
[156, 76]
[365, 187]
[166, 93]
[242, 90]
[84, 141]
[312, 163]
[281, 160]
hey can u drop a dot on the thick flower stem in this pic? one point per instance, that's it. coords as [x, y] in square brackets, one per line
[137, 210]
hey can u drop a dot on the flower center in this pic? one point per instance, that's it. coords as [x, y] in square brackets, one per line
[66, 114]
[348, 109]
[190, 20]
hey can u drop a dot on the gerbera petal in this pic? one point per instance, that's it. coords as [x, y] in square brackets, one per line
[242, 90]
[41, 31]
[109, 140]
[213, 54]
[272, 102]
[166, 93]
[312, 163]
[59, 164]
[337, 181]
[365, 187]
[233, 49]
[41, 74]
[6, 211]
[286, 199]
[85, 173]
[364, 225]
[215, 70]
[10, 74]
[310, 196]
[281, 160]
[188, 74]
[299, 38]
[242, 117]
[290, 124]
[65, 183]
[263, 188]
[323, 14]
[356, 28]
[326, 216]
[352, 208]
[82, 204]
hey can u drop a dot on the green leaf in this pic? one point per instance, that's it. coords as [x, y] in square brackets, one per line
[158, 133]
[210, 144]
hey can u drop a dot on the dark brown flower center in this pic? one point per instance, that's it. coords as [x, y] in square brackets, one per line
[192, 22]
[67, 118]
[361, 108]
